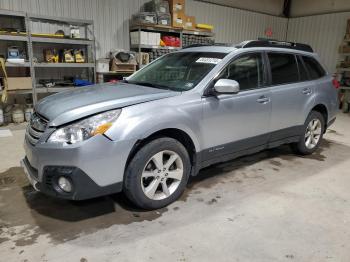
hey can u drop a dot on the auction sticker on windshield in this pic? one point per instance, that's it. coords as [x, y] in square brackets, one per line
[208, 60]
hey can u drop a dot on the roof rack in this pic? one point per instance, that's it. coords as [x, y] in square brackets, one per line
[215, 44]
[275, 43]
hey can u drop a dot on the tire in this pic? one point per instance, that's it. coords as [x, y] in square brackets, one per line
[303, 147]
[148, 174]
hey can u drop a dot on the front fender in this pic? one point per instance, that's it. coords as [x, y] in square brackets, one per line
[140, 121]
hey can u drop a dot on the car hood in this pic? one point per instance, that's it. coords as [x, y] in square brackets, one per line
[72, 105]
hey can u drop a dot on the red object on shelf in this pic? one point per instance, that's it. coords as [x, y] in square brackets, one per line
[171, 41]
[335, 82]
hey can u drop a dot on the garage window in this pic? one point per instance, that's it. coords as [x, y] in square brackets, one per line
[284, 69]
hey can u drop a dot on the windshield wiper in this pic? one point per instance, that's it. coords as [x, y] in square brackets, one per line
[149, 84]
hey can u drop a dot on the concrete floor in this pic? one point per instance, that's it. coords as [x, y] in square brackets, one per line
[271, 206]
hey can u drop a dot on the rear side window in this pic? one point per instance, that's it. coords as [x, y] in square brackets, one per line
[313, 67]
[302, 70]
[284, 68]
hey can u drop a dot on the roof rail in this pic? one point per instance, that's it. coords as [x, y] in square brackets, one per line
[214, 44]
[275, 43]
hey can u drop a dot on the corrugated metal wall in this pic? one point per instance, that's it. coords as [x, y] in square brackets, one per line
[111, 18]
[323, 32]
[235, 25]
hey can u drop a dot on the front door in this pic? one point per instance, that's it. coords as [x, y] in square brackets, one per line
[237, 122]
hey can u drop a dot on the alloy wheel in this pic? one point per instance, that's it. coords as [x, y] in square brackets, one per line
[313, 133]
[162, 175]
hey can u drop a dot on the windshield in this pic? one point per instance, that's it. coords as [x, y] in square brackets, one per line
[177, 71]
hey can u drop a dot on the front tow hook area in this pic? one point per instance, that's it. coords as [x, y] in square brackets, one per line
[32, 181]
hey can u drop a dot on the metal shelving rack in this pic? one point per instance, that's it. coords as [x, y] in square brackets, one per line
[345, 89]
[164, 29]
[20, 37]
[89, 43]
[31, 39]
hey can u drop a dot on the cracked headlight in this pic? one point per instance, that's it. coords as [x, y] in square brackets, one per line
[84, 129]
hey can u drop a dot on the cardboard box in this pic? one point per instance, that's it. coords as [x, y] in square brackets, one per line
[190, 22]
[102, 65]
[142, 59]
[177, 6]
[136, 39]
[19, 83]
[153, 39]
[344, 49]
[178, 19]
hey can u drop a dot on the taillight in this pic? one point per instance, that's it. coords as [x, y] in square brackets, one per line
[335, 82]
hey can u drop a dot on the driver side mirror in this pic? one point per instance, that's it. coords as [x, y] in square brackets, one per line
[226, 86]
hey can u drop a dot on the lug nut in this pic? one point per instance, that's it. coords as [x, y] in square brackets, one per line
[166, 174]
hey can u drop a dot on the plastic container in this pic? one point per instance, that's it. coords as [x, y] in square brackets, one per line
[7, 114]
[1, 117]
[158, 6]
[28, 113]
[164, 19]
[145, 18]
[17, 115]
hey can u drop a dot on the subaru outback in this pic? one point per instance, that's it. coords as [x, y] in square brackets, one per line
[187, 110]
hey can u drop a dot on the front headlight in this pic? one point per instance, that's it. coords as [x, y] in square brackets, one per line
[84, 129]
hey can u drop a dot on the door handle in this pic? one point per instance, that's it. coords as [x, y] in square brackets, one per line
[306, 91]
[263, 100]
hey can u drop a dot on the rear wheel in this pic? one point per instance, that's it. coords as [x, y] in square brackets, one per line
[158, 173]
[312, 136]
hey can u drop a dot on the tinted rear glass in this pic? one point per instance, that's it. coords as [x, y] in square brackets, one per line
[302, 70]
[313, 67]
[284, 68]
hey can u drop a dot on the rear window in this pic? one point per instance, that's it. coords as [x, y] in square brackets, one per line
[313, 67]
[302, 70]
[284, 68]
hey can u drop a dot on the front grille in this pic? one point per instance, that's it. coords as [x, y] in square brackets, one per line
[36, 128]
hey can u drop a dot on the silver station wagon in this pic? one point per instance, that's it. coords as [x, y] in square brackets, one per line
[187, 110]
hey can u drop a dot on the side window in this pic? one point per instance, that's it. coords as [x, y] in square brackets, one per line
[302, 70]
[284, 68]
[247, 70]
[313, 67]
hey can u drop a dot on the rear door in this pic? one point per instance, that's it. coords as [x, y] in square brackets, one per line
[291, 93]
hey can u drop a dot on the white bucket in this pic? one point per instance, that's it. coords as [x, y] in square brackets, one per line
[1, 117]
[28, 113]
[17, 115]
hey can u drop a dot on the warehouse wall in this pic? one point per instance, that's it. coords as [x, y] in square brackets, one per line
[312, 7]
[235, 25]
[323, 32]
[272, 7]
[111, 18]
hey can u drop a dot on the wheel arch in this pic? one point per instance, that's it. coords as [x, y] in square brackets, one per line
[322, 109]
[175, 133]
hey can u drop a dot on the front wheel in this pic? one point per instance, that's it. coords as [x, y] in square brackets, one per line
[158, 173]
[312, 135]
